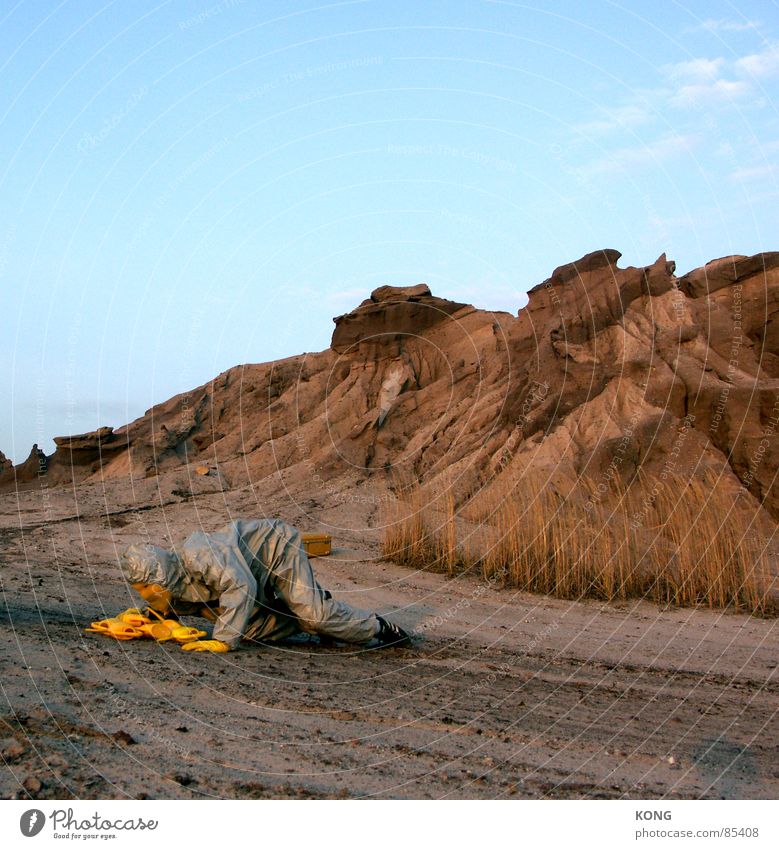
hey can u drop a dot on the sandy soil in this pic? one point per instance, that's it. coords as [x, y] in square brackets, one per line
[505, 695]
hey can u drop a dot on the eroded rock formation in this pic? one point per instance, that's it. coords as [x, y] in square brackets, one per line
[606, 370]
[34, 468]
[391, 314]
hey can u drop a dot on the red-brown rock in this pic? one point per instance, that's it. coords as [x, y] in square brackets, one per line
[33, 468]
[390, 314]
[606, 370]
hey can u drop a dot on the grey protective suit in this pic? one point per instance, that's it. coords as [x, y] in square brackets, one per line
[254, 579]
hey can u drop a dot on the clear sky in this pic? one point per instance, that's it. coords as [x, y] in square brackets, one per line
[186, 186]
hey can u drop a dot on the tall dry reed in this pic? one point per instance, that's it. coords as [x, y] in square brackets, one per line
[669, 539]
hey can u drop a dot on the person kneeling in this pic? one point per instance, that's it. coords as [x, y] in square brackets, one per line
[253, 579]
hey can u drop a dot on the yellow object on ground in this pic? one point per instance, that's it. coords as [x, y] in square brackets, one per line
[171, 623]
[133, 616]
[317, 545]
[206, 645]
[158, 631]
[116, 629]
[167, 629]
[182, 634]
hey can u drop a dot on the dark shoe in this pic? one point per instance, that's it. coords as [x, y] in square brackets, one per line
[392, 635]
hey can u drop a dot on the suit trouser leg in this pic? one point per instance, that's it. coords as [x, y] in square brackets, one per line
[269, 625]
[293, 582]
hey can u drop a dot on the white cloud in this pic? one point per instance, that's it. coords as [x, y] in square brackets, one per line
[662, 148]
[723, 25]
[628, 158]
[695, 70]
[758, 172]
[709, 81]
[725, 148]
[705, 81]
[716, 91]
[702, 82]
[689, 92]
[620, 117]
[762, 64]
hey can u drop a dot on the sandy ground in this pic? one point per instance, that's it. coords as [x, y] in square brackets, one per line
[505, 695]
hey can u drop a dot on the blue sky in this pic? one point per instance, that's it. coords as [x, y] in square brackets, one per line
[186, 186]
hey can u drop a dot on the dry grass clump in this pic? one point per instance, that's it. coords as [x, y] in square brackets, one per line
[406, 537]
[563, 546]
[718, 558]
[672, 540]
[420, 529]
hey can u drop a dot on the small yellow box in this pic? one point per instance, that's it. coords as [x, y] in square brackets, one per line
[317, 545]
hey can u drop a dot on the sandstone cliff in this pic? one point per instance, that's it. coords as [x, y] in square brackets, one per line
[607, 370]
[5, 465]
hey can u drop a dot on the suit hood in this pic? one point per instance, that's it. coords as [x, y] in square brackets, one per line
[150, 564]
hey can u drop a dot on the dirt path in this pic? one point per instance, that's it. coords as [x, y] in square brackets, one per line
[504, 696]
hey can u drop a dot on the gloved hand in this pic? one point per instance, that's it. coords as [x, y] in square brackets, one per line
[206, 645]
[158, 598]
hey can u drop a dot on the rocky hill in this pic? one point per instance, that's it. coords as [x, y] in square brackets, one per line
[605, 371]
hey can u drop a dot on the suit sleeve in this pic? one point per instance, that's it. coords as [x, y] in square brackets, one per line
[224, 570]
